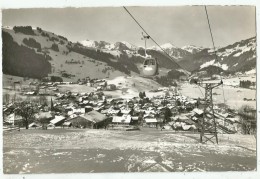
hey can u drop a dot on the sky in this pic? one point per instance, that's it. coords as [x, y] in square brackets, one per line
[179, 25]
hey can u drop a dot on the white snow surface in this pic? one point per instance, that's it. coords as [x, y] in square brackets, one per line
[191, 48]
[130, 46]
[253, 71]
[239, 50]
[207, 64]
[88, 43]
[213, 63]
[168, 46]
[7, 27]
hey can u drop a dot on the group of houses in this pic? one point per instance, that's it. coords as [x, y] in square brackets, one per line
[96, 110]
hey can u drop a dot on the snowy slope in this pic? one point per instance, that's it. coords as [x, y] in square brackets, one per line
[89, 43]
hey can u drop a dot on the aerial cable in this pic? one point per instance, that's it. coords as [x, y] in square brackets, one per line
[201, 91]
[214, 48]
[153, 39]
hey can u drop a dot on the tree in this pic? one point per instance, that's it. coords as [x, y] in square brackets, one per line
[105, 84]
[248, 119]
[27, 30]
[31, 42]
[26, 110]
[174, 84]
[43, 100]
[7, 98]
[19, 60]
[141, 95]
[52, 107]
[44, 121]
[55, 47]
[167, 115]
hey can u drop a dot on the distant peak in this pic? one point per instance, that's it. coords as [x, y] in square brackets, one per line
[168, 45]
[7, 27]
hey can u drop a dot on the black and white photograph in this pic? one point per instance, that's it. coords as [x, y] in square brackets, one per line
[129, 89]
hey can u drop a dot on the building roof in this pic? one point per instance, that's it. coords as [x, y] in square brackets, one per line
[12, 117]
[122, 119]
[198, 111]
[94, 116]
[57, 119]
[34, 125]
[67, 123]
[150, 120]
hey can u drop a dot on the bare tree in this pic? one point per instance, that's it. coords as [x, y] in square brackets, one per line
[7, 98]
[248, 119]
[26, 110]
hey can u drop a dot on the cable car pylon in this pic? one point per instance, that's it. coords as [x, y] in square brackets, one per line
[207, 124]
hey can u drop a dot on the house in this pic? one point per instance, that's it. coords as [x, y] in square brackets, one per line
[111, 87]
[198, 112]
[80, 122]
[124, 119]
[30, 93]
[34, 125]
[95, 116]
[78, 110]
[186, 127]
[58, 120]
[67, 124]
[150, 121]
[92, 119]
[12, 119]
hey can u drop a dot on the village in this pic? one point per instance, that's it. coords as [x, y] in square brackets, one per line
[128, 124]
[98, 108]
[119, 89]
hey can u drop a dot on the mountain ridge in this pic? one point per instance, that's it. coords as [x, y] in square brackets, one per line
[103, 59]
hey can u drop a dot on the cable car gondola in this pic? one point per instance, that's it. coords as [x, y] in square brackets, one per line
[150, 65]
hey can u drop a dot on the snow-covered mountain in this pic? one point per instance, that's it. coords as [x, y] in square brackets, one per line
[192, 48]
[109, 46]
[174, 51]
[89, 43]
[237, 49]
[120, 57]
[237, 57]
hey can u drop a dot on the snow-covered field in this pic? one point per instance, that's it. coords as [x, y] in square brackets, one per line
[234, 96]
[235, 80]
[148, 150]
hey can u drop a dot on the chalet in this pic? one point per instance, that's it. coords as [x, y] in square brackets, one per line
[183, 78]
[30, 93]
[67, 124]
[150, 121]
[58, 120]
[188, 127]
[12, 118]
[124, 119]
[92, 119]
[125, 111]
[80, 122]
[34, 125]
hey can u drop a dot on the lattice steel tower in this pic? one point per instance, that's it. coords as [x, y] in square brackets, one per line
[208, 123]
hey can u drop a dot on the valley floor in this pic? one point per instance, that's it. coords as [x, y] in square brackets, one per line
[233, 96]
[148, 150]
